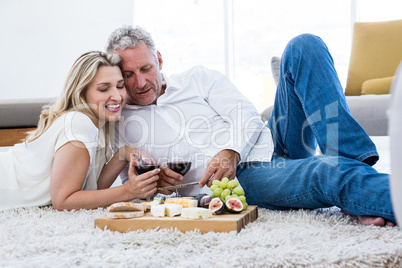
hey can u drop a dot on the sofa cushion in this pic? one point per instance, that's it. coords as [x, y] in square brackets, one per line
[376, 53]
[377, 86]
[19, 113]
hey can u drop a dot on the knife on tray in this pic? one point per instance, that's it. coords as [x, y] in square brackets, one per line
[175, 187]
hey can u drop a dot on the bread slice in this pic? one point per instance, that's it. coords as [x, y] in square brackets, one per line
[125, 215]
[125, 206]
[125, 210]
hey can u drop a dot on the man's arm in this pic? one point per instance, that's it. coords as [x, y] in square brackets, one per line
[244, 121]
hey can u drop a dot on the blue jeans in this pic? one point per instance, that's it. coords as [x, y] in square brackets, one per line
[310, 109]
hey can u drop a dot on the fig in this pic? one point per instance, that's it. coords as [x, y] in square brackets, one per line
[234, 205]
[205, 200]
[217, 206]
[198, 198]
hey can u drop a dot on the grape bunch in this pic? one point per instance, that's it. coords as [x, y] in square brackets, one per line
[226, 189]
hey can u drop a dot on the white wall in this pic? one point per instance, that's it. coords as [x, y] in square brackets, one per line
[41, 39]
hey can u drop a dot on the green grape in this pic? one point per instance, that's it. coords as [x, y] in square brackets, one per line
[216, 182]
[227, 197]
[213, 187]
[231, 184]
[235, 195]
[238, 190]
[225, 193]
[242, 198]
[217, 192]
[245, 205]
[236, 182]
[224, 182]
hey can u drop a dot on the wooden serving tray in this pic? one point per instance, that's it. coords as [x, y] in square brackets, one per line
[225, 222]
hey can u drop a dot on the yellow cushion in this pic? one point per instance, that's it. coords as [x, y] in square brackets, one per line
[376, 53]
[377, 86]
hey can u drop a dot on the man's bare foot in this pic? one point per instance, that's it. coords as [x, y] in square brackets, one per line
[369, 220]
[365, 220]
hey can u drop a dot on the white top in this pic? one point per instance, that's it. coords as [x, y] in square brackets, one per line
[26, 168]
[201, 108]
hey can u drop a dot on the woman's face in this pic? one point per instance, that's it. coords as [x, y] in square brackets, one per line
[106, 94]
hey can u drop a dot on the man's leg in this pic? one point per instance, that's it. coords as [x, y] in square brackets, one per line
[310, 107]
[317, 182]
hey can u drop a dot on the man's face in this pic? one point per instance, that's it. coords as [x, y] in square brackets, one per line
[141, 72]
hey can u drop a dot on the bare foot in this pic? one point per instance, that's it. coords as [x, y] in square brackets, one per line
[390, 223]
[377, 221]
[365, 220]
[371, 220]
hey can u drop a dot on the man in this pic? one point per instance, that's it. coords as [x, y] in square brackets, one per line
[224, 136]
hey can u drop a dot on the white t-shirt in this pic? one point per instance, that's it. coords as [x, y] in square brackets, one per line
[200, 108]
[25, 169]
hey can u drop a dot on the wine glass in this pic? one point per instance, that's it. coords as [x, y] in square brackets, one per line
[179, 159]
[145, 161]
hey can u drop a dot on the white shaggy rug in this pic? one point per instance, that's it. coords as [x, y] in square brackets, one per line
[43, 237]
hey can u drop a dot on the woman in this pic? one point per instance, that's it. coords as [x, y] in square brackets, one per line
[66, 160]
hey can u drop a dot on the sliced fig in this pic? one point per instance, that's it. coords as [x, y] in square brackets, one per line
[205, 200]
[234, 205]
[217, 206]
[198, 198]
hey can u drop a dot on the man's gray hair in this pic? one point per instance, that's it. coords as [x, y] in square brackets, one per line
[128, 37]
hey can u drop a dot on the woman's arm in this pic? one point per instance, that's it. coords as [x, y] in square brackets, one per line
[70, 166]
[112, 169]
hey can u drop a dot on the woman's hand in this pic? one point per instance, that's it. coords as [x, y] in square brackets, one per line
[144, 185]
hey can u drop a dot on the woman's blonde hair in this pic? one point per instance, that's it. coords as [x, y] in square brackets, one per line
[81, 74]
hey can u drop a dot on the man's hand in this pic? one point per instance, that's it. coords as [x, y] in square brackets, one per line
[223, 164]
[168, 177]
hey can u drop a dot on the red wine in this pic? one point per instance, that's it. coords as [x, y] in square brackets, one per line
[180, 167]
[139, 169]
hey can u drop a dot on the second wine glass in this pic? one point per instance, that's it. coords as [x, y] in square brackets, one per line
[145, 161]
[179, 159]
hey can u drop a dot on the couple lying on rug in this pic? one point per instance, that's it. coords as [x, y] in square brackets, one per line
[68, 162]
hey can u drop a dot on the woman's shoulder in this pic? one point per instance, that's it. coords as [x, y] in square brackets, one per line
[76, 126]
[76, 116]
[77, 120]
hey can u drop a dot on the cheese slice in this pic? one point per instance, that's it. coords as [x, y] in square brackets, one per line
[172, 210]
[169, 210]
[196, 213]
[185, 202]
[158, 210]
